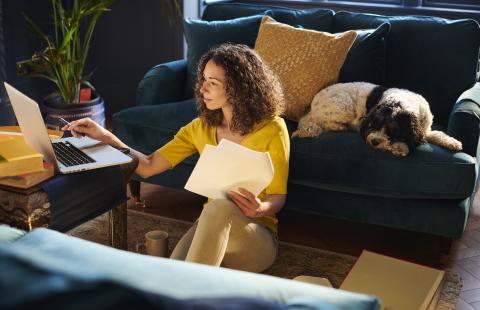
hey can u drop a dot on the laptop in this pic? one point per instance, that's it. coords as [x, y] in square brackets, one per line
[68, 155]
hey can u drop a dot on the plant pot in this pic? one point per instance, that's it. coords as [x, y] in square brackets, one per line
[54, 108]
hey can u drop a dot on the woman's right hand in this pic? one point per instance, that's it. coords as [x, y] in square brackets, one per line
[89, 128]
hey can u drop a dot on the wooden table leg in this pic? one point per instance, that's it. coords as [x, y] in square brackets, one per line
[117, 227]
[117, 217]
[135, 191]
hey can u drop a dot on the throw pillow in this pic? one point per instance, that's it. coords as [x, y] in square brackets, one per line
[202, 35]
[305, 61]
[366, 59]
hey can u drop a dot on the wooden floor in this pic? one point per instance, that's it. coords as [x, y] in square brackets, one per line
[349, 238]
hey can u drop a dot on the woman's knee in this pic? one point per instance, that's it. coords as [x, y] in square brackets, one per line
[254, 251]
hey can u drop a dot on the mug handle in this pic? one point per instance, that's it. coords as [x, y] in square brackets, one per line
[139, 246]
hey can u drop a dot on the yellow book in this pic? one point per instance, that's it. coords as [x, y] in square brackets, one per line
[16, 157]
[28, 180]
[400, 285]
[14, 132]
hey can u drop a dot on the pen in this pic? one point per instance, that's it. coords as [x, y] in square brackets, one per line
[65, 122]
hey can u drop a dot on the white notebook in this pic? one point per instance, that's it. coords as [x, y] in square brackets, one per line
[227, 167]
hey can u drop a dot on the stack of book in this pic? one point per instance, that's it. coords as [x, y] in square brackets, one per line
[397, 283]
[20, 165]
[28, 180]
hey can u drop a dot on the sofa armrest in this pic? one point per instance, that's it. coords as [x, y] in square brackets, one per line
[464, 121]
[163, 83]
[10, 234]
[49, 250]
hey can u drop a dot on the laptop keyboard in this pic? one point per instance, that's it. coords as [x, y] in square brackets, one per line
[69, 155]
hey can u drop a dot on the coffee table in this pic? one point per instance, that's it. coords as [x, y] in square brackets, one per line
[29, 208]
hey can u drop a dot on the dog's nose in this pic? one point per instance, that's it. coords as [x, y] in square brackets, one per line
[375, 142]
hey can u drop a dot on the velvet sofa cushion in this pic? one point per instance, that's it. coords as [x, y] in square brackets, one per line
[366, 60]
[443, 217]
[26, 284]
[84, 260]
[202, 35]
[304, 60]
[343, 162]
[417, 50]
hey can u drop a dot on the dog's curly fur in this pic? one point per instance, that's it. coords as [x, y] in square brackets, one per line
[388, 119]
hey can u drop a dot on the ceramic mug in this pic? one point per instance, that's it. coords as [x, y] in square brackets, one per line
[156, 243]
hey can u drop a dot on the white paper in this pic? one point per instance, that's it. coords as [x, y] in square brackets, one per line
[227, 167]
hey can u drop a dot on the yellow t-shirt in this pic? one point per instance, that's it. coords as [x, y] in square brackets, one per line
[268, 136]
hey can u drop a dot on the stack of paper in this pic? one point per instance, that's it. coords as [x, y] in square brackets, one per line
[227, 167]
[399, 284]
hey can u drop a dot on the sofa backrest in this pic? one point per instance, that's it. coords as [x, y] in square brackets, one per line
[433, 56]
[316, 19]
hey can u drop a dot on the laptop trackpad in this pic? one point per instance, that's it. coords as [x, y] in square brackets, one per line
[106, 153]
[81, 143]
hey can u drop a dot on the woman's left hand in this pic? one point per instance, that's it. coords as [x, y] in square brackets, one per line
[250, 205]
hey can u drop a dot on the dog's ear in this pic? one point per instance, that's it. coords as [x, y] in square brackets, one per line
[410, 130]
[364, 126]
[370, 121]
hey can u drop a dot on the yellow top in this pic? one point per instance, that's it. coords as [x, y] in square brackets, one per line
[268, 136]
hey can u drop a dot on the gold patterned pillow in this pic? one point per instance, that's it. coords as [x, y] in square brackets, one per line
[305, 61]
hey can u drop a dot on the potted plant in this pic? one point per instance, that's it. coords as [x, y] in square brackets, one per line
[63, 60]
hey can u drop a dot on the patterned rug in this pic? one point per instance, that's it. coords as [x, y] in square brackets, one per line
[292, 260]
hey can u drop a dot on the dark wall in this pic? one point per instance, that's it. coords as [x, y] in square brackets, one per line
[18, 44]
[128, 40]
[6, 115]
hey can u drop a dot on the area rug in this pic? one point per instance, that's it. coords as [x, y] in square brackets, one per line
[292, 260]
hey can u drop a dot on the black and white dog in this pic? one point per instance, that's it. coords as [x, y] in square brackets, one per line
[388, 119]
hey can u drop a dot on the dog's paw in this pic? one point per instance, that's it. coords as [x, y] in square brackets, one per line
[302, 134]
[307, 132]
[455, 145]
[399, 149]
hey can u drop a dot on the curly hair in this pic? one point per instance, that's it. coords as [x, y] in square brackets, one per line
[252, 88]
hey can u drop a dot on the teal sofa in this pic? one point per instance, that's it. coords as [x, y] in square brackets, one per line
[337, 174]
[45, 269]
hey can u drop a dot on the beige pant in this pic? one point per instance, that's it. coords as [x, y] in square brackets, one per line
[224, 235]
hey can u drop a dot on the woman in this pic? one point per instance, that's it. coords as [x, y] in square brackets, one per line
[239, 99]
